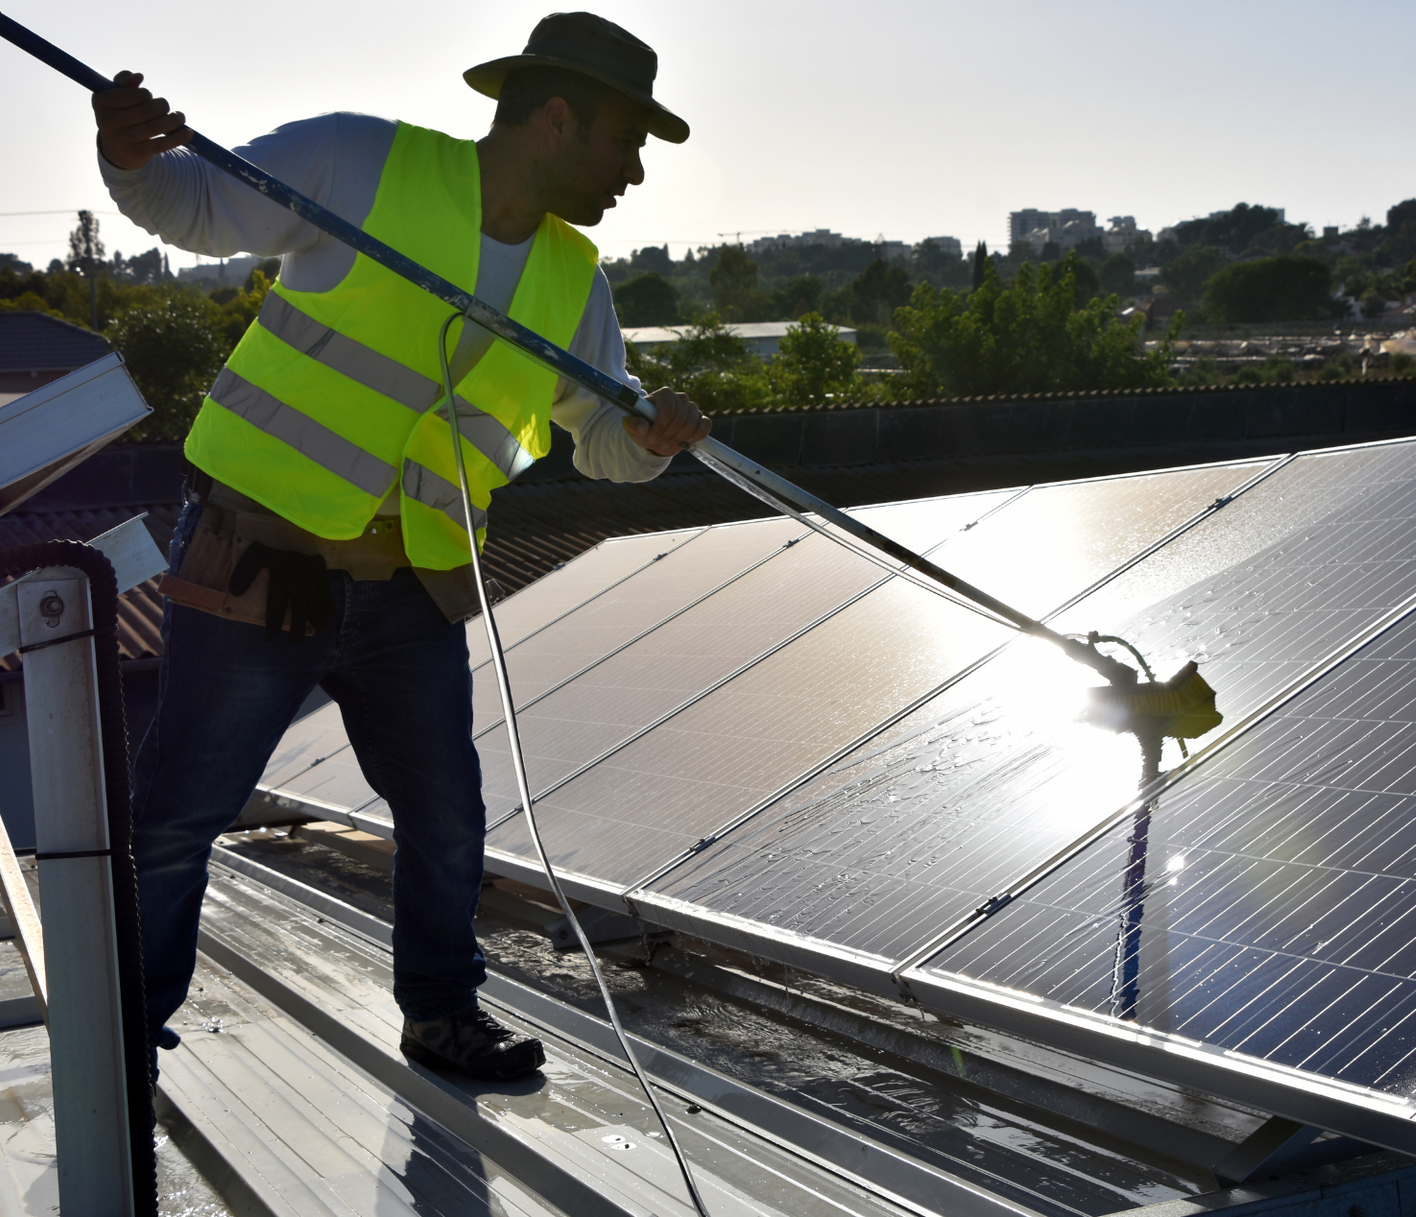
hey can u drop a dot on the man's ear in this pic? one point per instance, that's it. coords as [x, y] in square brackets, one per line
[557, 122]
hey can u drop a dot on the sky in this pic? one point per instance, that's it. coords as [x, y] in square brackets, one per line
[899, 119]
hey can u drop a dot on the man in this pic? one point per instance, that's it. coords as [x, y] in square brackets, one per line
[323, 541]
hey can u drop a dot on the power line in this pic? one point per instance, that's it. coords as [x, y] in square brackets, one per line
[67, 211]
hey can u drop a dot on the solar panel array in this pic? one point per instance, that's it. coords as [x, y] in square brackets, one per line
[754, 736]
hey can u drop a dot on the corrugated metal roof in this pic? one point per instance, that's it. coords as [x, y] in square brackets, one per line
[37, 342]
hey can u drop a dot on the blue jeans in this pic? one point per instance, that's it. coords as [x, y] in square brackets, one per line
[399, 673]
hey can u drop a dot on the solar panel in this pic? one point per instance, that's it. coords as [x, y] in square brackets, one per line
[646, 766]
[866, 864]
[1265, 905]
[320, 735]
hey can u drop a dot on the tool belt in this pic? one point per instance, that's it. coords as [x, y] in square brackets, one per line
[230, 524]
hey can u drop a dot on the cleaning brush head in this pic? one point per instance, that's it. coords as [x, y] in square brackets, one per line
[1181, 707]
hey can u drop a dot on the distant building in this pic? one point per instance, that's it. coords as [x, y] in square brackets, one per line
[949, 246]
[762, 337]
[1020, 223]
[895, 251]
[817, 236]
[1122, 234]
[36, 348]
[1065, 229]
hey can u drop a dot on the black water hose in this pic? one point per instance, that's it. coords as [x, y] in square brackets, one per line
[113, 723]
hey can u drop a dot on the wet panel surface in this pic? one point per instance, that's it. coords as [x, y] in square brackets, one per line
[541, 602]
[676, 663]
[654, 799]
[637, 809]
[1266, 904]
[903, 839]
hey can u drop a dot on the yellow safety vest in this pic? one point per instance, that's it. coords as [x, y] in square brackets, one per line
[325, 402]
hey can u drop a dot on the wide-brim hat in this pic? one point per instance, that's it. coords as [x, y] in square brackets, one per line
[594, 47]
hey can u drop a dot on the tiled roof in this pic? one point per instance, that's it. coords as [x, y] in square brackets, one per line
[37, 342]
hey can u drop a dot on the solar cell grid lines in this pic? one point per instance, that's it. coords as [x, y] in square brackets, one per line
[1274, 914]
[775, 591]
[895, 844]
[647, 800]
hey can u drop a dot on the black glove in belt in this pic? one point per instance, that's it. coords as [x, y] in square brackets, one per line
[298, 582]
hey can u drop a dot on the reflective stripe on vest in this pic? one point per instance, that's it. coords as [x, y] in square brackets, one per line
[435, 491]
[314, 440]
[345, 355]
[389, 377]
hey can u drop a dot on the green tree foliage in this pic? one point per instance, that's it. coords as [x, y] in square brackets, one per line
[709, 363]
[1088, 282]
[1117, 276]
[797, 297]
[934, 265]
[813, 363]
[85, 249]
[1234, 229]
[173, 349]
[652, 259]
[734, 283]
[647, 299]
[1187, 274]
[1028, 338]
[872, 297]
[980, 265]
[1286, 288]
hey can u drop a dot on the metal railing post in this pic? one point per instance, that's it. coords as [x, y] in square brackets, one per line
[76, 896]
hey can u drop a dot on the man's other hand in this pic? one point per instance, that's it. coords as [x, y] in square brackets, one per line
[679, 425]
[133, 125]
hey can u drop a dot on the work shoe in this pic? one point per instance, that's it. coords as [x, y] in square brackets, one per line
[473, 1041]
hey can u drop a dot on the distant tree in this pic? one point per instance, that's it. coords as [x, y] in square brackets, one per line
[872, 297]
[1373, 302]
[710, 363]
[652, 258]
[268, 270]
[1397, 217]
[813, 363]
[150, 267]
[86, 255]
[980, 264]
[1286, 288]
[174, 350]
[797, 297]
[940, 268]
[1028, 338]
[11, 263]
[1118, 276]
[1187, 274]
[1234, 229]
[85, 249]
[1088, 282]
[733, 280]
[647, 299]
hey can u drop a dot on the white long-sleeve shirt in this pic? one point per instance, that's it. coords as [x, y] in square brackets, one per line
[337, 160]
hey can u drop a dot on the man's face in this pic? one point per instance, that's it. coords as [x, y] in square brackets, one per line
[599, 162]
